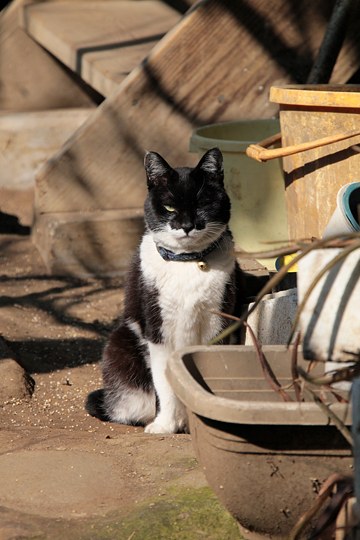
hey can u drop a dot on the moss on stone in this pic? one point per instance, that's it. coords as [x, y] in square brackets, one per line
[180, 514]
[184, 514]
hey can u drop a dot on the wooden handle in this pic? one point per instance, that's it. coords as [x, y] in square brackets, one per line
[261, 153]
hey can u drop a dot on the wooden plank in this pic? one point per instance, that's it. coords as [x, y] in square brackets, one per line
[218, 64]
[89, 243]
[28, 139]
[104, 71]
[103, 41]
[30, 79]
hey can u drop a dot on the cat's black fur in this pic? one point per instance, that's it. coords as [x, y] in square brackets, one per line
[186, 211]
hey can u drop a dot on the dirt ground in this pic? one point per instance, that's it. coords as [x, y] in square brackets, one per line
[63, 474]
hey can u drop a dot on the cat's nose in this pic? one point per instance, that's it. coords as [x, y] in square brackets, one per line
[187, 227]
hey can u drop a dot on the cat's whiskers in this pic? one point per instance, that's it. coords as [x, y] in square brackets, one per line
[212, 233]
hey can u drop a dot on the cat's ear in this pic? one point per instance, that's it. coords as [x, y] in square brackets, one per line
[212, 163]
[157, 169]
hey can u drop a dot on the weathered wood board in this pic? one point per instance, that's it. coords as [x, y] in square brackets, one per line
[29, 77]
[89, 243]
[104, 71]
[28, 139]
[217, 64]
[103, 42]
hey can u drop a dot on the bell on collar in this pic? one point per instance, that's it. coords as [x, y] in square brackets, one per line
[203, 266]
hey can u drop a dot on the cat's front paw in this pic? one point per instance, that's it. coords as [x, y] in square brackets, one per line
[157, 427]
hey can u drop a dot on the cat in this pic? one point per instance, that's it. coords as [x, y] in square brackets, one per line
[184, 270]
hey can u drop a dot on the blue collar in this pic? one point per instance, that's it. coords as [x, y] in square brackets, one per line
[168, 255]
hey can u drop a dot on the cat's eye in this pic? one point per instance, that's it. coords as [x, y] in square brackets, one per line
[169, 208]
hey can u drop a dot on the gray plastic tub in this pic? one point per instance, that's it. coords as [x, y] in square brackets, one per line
[263, 457]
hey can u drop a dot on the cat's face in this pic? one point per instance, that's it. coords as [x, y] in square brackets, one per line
[187, 208]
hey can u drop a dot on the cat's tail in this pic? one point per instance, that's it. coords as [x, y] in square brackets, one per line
[95, 405]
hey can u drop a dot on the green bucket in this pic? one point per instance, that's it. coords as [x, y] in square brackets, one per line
[256, 190]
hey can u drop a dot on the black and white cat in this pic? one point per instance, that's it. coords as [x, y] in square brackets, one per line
[184, 270]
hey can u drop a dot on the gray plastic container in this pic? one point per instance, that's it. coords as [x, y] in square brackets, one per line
[263, 457]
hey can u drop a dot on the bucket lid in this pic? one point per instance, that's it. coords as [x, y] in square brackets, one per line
[317, 95]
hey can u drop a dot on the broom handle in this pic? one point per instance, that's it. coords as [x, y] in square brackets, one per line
[260, 152]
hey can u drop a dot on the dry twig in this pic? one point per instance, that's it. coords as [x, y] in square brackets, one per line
[344, 374]
[279, 276]
[268, 372]
[294, 368]
[338, 423]
[326, 491]
[342, 255]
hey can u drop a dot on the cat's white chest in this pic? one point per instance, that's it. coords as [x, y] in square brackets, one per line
[187, 294]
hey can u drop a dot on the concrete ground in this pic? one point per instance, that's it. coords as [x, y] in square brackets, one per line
[63, 474]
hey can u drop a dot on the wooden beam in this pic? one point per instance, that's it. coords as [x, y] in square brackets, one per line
[217, 64]
[103, 42]
[30, 78]
[28, 139]
[88, 243]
